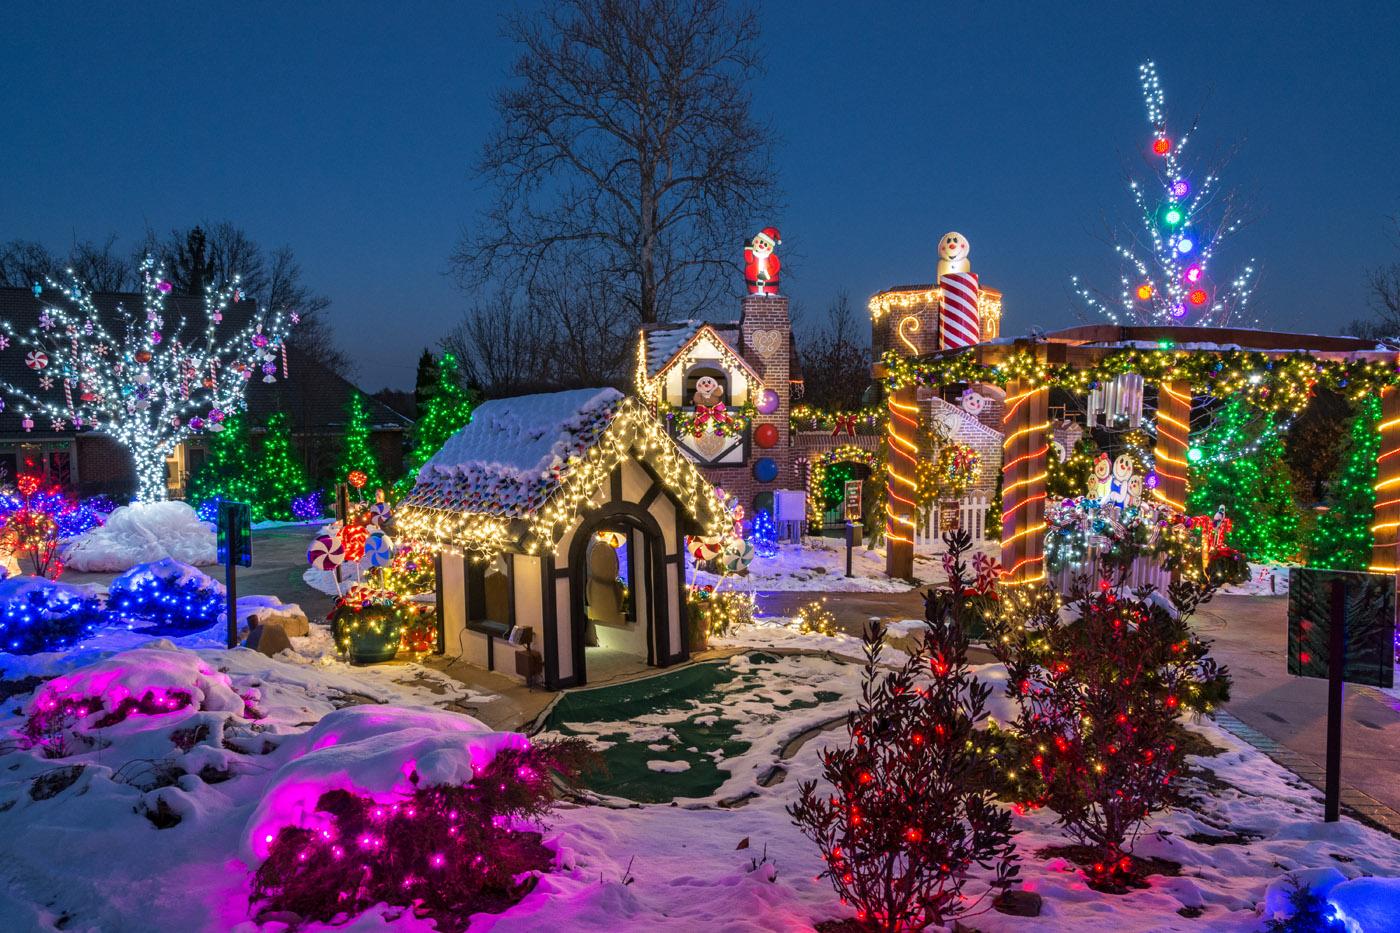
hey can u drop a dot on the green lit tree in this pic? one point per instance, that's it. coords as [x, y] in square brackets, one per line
[280, 476]
[1241, 466]
[226, 472]
[448, 408]
[356, 452]
[1342, 538]
[1070, 479]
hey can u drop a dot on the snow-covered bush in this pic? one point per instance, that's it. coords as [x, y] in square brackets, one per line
[143, 533]
[412, 807]
[176, 597]
[139, 686]
[40, 615]
[903, 822]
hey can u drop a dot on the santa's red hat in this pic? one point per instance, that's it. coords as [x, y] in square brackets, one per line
[772, 234]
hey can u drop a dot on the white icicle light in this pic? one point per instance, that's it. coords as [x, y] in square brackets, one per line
[144, 386]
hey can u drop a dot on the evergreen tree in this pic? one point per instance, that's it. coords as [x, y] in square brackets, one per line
[227, 470]
[425, 384]
[1241, 466]
[281, 475]
[192, 272]
[448, 410]
[356, 453]
[1070, 479]
[1342, 537]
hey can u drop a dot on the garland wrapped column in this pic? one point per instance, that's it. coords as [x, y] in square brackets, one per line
[1384, 558]
[1173, 429]
[900, 484]
[1023, 472]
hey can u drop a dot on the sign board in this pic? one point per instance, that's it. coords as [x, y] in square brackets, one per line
[789, 505]
[235, 535]
[852, 500]
[949, 516]
[1369, 627]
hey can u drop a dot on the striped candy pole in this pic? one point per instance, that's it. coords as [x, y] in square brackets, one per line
[960, 325]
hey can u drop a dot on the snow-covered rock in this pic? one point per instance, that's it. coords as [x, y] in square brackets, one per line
[379, 752]
[142, 533]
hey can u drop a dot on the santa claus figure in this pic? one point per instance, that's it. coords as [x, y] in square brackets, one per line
[761, 263]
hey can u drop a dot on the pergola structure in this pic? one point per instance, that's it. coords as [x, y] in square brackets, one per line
[1272, 371]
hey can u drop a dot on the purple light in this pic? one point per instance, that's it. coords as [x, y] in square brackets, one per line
[1151, 481]
[1179, 310]
[1180, 188]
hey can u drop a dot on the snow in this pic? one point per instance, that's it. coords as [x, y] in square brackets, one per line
[1366, 905]
[668, 767]
[1277, 896]
[141, 533]
[1264, 580]
[87, 857]
[383, 753]
[515, 452]
[817, 565]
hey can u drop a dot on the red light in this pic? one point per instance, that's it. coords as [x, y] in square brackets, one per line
[1161, 145]
[1199, 297]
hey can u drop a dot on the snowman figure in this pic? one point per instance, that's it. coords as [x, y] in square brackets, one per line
[1122, 473]
[952, 254]
[1099, 484]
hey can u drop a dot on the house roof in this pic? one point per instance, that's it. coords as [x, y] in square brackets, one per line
[523, 468]
[514, 452]
[313, 396]
[664, 342]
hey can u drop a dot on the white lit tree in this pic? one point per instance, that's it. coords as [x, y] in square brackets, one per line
[1166, 277]
[145, 379]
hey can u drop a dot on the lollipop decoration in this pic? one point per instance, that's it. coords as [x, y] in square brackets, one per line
[380, 512]
[705, 547]
[378, 549]
[326, 552]
[737, 556]
[353, 536]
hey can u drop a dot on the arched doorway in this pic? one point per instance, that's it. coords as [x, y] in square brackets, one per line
[826, 476]
[618, 593]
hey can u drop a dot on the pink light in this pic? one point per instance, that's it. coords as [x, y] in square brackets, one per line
[1193, 274]
[437, 860]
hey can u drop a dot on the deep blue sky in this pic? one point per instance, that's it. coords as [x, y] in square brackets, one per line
[348, 132]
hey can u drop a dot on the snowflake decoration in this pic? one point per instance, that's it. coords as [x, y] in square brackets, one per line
[46, 320]
[295, 318]
[102, 349]
[46, 382]
[59, 424]
[4, 343]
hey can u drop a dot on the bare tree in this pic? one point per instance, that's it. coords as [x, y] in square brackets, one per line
[836, 358]
[23, 263]
[1383, 283]
[628, 144]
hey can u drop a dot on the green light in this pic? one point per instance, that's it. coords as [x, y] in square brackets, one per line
[1194, 455]
[1165, 344]
[1172, 216]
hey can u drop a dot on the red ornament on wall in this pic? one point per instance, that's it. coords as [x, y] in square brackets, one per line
[766, 435]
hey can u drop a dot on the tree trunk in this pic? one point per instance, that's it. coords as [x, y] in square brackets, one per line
[150, 472]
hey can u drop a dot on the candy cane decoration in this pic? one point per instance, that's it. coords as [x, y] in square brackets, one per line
[284, 360]
[961, 325]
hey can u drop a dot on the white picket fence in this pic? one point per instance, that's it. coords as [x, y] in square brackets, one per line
[972, 516]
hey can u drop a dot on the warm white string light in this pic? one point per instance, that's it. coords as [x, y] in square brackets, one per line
[145, 382]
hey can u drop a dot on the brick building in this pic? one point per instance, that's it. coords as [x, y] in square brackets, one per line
[314, 398]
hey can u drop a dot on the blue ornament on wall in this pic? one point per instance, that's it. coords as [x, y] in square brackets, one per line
[765, 469]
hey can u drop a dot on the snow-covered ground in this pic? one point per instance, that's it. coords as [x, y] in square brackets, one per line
[819, 565]
[86, 857]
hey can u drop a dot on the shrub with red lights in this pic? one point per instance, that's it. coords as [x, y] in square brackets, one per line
[30, 529]
[900, 827]
[446, 851]
[1100, 694]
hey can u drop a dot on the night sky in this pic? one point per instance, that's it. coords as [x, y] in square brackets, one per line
[349, 132]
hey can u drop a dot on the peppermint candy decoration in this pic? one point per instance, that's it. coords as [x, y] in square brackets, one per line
[381, 513]
[325, 553]
[738, 555]
[36, 359]
[379, 550]
[704, 547]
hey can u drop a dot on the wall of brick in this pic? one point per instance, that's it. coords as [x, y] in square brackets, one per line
[884, 333]
[765, 337]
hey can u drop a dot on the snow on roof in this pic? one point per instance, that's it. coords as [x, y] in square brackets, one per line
[664, 341]
[514, 452]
